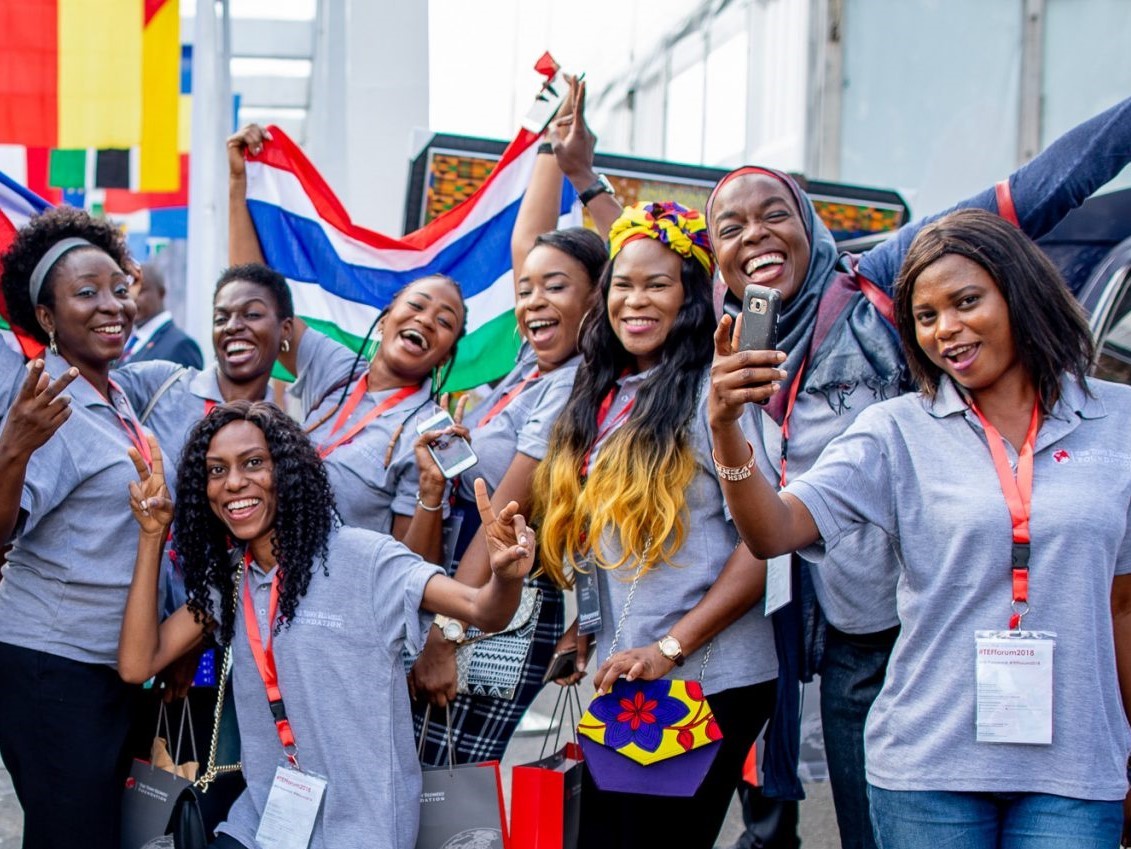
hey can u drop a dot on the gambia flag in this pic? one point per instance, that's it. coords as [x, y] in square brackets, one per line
[17, 206]
[341, 274]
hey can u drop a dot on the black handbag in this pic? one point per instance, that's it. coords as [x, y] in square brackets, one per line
[205, 803]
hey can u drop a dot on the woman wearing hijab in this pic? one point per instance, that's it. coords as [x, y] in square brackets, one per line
[629, 502]
[842, 356]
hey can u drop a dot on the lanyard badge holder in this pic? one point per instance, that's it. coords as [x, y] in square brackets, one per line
[779, 570]
[296, 796]
[1014, 669]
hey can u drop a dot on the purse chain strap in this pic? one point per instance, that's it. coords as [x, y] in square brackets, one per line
[213, 771]
[624, 616]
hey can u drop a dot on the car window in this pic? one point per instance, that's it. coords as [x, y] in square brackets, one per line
[1114, 342]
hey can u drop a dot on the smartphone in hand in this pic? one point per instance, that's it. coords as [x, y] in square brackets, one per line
[451, 452]
[760, 308]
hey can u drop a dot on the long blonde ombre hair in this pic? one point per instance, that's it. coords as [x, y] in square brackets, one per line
[637, 485]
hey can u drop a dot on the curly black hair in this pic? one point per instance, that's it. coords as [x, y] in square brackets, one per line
[304, 515]
[33, 241]
[261, 275]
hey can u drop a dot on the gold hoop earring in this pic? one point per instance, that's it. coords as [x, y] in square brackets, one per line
[51, 342]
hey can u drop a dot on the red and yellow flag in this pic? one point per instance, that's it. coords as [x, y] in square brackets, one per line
[94, 74]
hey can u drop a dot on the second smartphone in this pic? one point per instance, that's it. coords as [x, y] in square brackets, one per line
[451, 452]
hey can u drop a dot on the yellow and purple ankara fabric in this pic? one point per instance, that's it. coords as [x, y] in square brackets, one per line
[681, 229]
[651, 721]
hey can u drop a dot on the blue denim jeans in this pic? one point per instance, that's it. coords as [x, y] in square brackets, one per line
[852, 674]
[942, 820]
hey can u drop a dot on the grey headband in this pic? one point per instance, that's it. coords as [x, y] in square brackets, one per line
[47, 262]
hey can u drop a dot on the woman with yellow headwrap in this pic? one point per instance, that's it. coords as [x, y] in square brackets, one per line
[630, 507]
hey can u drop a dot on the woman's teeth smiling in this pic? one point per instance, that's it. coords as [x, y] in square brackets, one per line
[414, 340]
[961, 355]
[237, 348]
[242, 508]
[640, 325]
[109, 329]
[539, 329]
[764, 267]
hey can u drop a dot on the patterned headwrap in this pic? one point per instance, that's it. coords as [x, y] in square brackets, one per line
[681, 229]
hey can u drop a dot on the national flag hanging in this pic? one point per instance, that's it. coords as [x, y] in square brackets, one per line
[17, 205]
[341, 273]
[76, 74]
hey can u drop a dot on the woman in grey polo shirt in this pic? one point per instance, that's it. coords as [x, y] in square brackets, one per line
[555, 285]
[333, 606]
[1005, 487]
[628, 498]
[64, 712]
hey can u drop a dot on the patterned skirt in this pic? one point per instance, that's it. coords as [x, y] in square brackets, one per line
[482, 726]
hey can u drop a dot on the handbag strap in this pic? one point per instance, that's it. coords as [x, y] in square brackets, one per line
[186, 717]
[447, 732]
[624, 615]
[572, 707]
[213, 771]
[161, 390]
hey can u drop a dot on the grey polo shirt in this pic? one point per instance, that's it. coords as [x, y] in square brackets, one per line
[858, 596]
[180, 406]
[368, 492]
[72, 558]
[12, 375]
[744, 653]
[922, 473]
[343, 682]
[522, 426]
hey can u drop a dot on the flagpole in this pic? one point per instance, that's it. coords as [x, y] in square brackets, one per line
[208, 166]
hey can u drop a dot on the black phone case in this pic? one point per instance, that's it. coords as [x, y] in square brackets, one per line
[760, 330]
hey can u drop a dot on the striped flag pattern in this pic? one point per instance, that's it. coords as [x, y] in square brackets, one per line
[341, 273]
[17, 205]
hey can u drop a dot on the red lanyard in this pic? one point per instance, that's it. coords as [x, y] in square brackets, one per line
[602, 414]
[1018, 492]
[209, 406]
[351, 404]
[785, 421]
[130, 424]
[503, 402]
[264, 655]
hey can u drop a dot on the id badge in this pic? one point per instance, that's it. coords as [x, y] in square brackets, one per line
[450, 537]
[291, 810]
[779, 582]
[588, 600]
[1014, 680]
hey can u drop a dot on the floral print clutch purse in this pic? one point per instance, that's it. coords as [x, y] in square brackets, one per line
[655, 737]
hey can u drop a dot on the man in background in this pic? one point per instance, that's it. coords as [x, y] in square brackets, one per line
[155, 336]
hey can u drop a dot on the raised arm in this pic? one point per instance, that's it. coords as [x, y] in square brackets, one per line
[511, 551]
[145, 645]
[243, 242]
[574, 147]
[1042, 191]
[434, 673]
[769, 523]
[541, 203]
[37, 412]
[738, 588]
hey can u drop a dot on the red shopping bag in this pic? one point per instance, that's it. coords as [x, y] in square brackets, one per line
[546, 801]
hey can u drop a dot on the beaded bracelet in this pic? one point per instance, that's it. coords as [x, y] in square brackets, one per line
[425, 507]
[735, 473]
